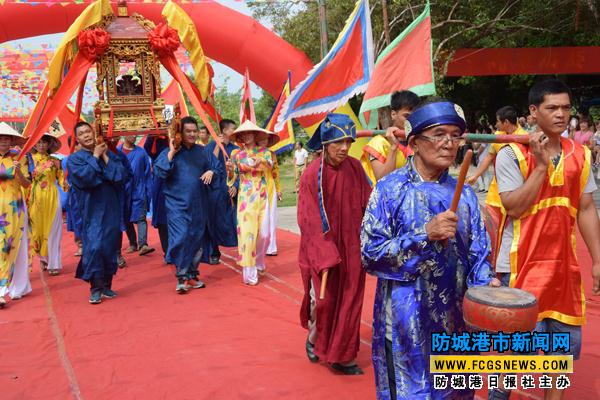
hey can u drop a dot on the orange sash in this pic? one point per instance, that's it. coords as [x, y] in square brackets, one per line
[542, 256]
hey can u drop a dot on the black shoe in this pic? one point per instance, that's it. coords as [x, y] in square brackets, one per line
[109, 293]
[96, 297]
[214, 260]
[347, 370]
[272, 254]
[310, 352]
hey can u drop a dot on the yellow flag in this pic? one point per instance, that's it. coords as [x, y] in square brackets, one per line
[178, 19]
[91, 15]
[357, 147]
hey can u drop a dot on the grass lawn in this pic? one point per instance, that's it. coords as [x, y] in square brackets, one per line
[286, 171]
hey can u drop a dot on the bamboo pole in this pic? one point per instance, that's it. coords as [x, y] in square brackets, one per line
[469, 137]
[323, 284]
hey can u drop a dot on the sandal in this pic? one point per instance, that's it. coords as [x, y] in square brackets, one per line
[53, 272]
[43, 265]
[2, 302]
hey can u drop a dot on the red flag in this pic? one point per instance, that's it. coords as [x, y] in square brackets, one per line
[247, 107]
[344, 72]
[404, 65]
[286, 134]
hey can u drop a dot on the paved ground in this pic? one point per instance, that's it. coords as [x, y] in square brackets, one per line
[287, 215]
[286, 219]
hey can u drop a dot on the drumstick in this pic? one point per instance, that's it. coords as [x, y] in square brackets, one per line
[464, 168]
[323, 284]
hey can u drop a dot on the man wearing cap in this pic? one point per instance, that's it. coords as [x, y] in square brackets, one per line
[97, 176]
[334, 192]
[13, 216]
[423, 257]
[186, 170]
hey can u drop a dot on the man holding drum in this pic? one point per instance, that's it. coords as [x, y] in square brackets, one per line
[423, 257]
[545, 188]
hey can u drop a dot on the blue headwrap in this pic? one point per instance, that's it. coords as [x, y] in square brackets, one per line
[335, 127]
[434, 114]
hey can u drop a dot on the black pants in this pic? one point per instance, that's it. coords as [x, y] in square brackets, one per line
[98, 284]
[163, 234]
[389, 360]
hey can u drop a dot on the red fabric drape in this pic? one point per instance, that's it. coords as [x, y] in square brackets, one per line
[92, 43]
[43, 102]
[247, 106]
[77, 71]
[77, 114]
[164, 40]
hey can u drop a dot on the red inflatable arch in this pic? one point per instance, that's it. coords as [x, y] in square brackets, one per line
[227, 36]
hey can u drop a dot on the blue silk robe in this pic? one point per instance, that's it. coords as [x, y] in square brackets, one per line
[156, 184]
[139, 185]
[424, 281]
[187, 206]
[96, 186]
[222, 222]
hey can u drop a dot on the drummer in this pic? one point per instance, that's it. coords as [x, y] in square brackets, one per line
[423, 258]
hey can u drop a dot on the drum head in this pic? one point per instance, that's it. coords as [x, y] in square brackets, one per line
[501, 297]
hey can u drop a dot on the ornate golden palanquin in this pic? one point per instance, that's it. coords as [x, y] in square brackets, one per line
[129, 80]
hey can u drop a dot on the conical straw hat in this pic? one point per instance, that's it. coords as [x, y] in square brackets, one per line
[7, 130]
[249, 126]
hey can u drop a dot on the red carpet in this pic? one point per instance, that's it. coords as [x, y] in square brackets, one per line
[228, 341]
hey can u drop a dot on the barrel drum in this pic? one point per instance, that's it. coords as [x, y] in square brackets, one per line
[494, 309]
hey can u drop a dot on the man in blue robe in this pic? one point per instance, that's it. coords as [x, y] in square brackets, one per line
[222, 198]
[72, 208]
[124, 191]
[424, 255]
[96, 175]
[186, 170]
[138, 189]
[154, 145]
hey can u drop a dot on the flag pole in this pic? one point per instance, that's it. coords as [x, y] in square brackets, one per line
[323, 26]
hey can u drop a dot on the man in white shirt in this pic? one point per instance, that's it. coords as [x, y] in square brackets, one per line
[300, 158]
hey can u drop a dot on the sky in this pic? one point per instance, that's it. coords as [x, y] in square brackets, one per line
[222, 72]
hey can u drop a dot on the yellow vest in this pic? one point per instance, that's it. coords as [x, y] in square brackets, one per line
[379, 147]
